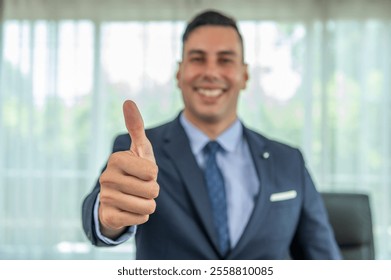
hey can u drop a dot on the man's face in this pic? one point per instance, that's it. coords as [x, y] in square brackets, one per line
[211, 75]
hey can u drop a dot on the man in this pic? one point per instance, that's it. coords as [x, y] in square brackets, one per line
[242, 196]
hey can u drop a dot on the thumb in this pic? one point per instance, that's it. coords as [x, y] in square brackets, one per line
[135, 125]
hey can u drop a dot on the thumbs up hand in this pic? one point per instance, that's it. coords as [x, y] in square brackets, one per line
[128, 186]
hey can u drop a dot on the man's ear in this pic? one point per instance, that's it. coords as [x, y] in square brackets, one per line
[178, 72]
[246, 75]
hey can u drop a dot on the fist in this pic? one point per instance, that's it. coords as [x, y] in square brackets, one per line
[128, 186]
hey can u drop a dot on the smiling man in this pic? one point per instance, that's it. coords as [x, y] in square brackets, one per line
[204, 186]
[211, 76]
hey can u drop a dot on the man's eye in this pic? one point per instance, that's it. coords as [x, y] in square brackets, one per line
[225, 60]
[196, 59]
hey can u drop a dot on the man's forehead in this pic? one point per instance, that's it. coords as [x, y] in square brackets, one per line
[213, 39]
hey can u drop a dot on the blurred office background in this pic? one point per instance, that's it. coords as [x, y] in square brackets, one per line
[320, 80]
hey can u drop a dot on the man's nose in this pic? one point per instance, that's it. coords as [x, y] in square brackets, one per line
[211, 70]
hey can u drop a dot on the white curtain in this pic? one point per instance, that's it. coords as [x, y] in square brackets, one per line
[320, 80]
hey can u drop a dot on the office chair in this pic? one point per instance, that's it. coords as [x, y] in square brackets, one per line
[350, 217]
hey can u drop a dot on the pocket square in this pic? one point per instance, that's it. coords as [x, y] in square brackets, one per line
[283, 196]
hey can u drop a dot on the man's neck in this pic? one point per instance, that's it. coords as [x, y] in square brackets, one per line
[212, 128]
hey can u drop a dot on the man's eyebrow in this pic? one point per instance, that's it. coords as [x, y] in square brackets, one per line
[195, 51]
[201, 52]
[230, 53]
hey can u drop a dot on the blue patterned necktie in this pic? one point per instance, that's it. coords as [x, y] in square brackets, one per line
[216, 190]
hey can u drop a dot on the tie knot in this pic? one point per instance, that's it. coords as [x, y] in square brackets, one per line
[212, 147]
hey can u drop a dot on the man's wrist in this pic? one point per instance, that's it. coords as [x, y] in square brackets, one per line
[113, 234]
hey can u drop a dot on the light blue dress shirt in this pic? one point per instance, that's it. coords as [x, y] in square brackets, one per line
[237, 167]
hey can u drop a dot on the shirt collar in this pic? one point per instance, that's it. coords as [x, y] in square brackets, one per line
[228, 140]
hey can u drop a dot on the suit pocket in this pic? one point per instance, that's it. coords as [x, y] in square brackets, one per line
[283, 196]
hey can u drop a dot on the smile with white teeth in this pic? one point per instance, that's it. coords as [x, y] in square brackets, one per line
[210, 92]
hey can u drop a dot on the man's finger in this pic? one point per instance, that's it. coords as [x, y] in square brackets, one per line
[135, 126]
[134, 122]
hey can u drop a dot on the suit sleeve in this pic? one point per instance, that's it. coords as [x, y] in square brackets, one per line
[314, 238]
[121, 143]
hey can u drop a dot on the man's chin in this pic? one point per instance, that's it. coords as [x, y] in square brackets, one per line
[204, 115]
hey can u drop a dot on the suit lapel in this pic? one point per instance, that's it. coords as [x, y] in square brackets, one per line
[258, 149]
[177, 147]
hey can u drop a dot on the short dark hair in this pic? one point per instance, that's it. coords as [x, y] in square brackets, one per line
[214, 18]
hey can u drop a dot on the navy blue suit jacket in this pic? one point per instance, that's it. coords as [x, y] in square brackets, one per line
[182, 226]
